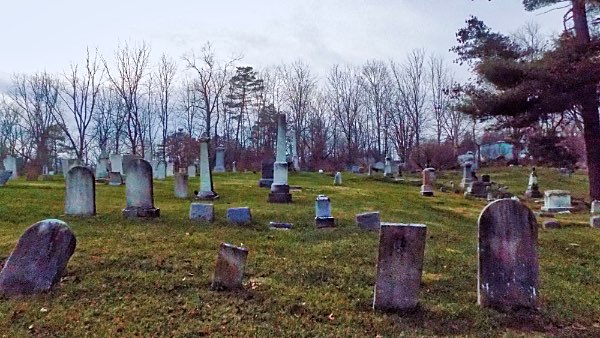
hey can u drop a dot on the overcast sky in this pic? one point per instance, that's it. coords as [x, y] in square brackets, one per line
[48, 35]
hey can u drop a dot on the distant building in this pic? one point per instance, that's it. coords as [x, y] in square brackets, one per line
[500, 150]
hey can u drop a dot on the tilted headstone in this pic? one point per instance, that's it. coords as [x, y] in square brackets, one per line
[323, 218]
[427, 187]
[337, 179]
[219, 160]
[39, 259]
[139, 191]
[115, 178]
[161, 170]
[239, 216]
[533, 190]
[399, 266]
[116, 163]
[207, 191]
[202, 212]
[280, 190]
[80, 194]
[229, 268]
[191, 170]
[181, 185]
[266, 179]
[368, 220]
[507, 254]
[5, 175]
[10, 164]
[557, 200]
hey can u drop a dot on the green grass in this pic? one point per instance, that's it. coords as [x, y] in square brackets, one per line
[152, 277]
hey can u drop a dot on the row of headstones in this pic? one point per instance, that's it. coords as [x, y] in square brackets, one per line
[507, 260]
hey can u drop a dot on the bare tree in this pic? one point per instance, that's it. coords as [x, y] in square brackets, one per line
[378, 86]
[79, 93]
[212, 80]
[189, 106]
[131, 64]
[439, 83]
[166, 74]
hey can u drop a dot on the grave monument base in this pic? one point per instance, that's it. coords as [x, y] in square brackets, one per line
[280, 194]
[324, 222]
[133, 212]
[207, 195]
[426, 190]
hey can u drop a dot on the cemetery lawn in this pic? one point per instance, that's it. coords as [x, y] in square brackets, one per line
[152, 277]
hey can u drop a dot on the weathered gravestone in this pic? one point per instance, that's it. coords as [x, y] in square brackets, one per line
[233, 167]
[337, 179]
[467, 175]
[161, 170]
[533, 190]
[280, 190]
[39, 259]
[139, 191]
[428, 182]
[191, 170]
[5, 175]
[387, 167]
[170, 169]
[229, 268]
[368, 220]
[266, 173]
[207, 191]
[181, 185]
[116, 163]
[10, 164]
[323, 218]
[115, 178]
[102, 168]
[239, 216]
[80, 194]
[595, 211]
[126, 161]
[507, 254]
[557, 200]
[219, 160]
[399, 266]
[202, 212]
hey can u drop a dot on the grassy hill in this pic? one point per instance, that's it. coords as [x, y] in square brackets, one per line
[152, 277]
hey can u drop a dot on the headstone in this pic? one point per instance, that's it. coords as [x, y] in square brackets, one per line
[126, 161]
[10, 164]
[219, 160]
[280, 190]
[266, 179]
[508, 260]
[116, 163]
[5, 175]
[467, 178]
[102, 168]
[45, 170]
[551, 224]
[80, 194]
[428, 182]
[478, 189]
[154, 164]
[161, 170]
[207, 191]
[239, 216]
[181, 185]
[191, 170]
[233, 167]
[557, 200]
[595, 221]
[368, 220]
[337, 180]
[399, 266]
[595, 218]
[295, 158]
[387, 167]
[229, 269]
[323, 218]
[486, 178]
[595, 209]
[533, 190]
[139, 191]
[115, 178]
[39, 259]
[170, 169]
[280, 226]
[202, 212]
